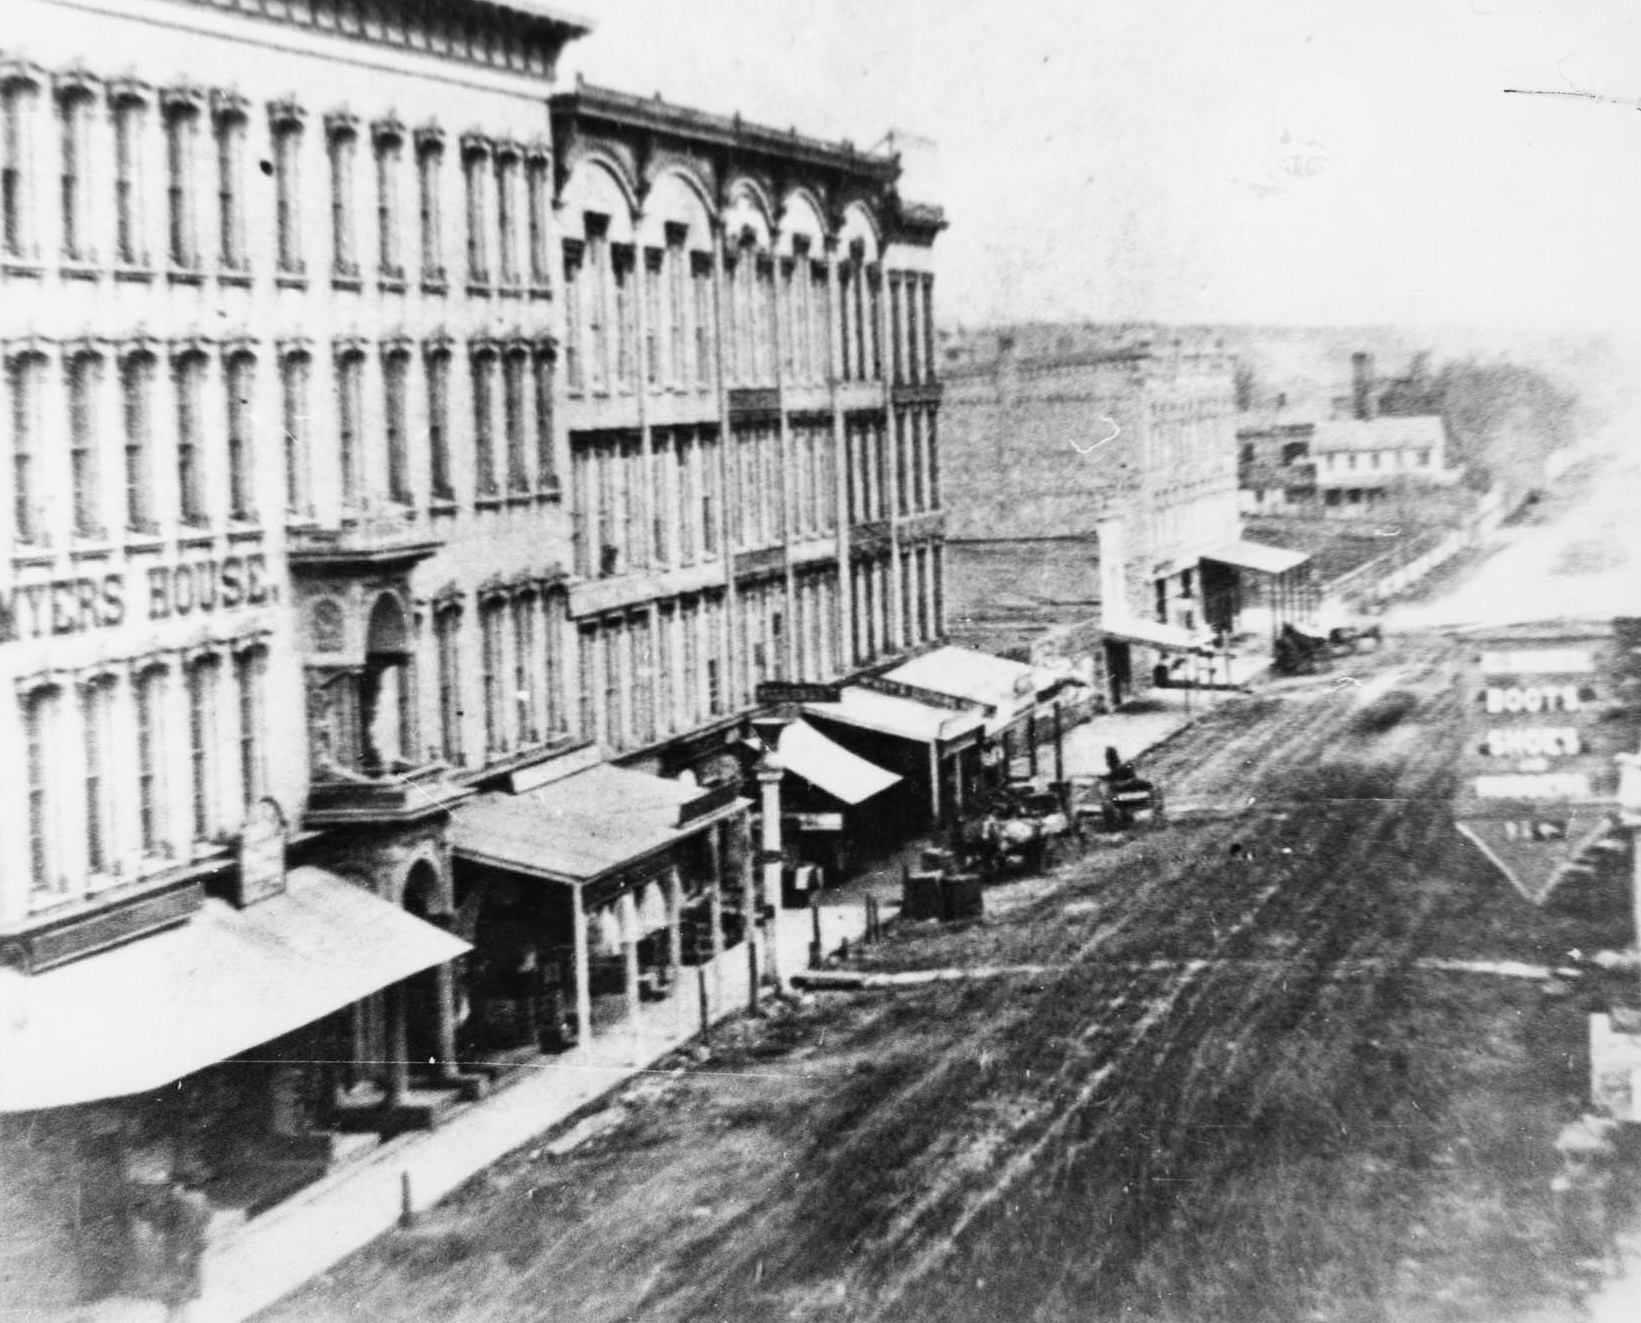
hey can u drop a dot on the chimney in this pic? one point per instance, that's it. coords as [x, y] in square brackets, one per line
[1361, 391]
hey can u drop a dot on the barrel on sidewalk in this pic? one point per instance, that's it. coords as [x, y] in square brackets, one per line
[961, 897]
[920, 896]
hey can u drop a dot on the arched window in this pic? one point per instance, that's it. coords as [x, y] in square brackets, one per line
[42, 721]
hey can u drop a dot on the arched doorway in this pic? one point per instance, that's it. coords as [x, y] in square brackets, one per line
[423, 1000]
[386, 697]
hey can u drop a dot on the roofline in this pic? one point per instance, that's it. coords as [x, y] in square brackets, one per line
[623, 108]
[571, 24]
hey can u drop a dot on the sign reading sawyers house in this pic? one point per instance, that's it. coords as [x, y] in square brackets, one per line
[1550, 706]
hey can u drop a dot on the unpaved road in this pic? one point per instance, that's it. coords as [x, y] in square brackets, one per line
[1234, 1095]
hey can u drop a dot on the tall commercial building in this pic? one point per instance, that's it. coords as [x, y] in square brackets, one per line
[388, 447]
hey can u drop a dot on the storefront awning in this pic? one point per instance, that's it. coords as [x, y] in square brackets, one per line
[584, 826]
[140, 1016]
[1152, 633]
[1011, 688]
[829, 766]
[1257, 556]
[905, 718]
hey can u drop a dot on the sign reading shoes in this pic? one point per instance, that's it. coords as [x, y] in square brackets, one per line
[1538, 771]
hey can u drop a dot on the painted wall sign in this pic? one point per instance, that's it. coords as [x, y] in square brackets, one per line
[106, 601]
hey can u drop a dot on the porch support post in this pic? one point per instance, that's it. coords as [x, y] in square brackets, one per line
[583, 976]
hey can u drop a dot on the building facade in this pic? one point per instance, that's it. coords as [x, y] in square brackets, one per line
[390, 444]
[1108, 451]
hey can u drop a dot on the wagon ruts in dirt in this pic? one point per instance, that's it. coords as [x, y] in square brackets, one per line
[1302, 650]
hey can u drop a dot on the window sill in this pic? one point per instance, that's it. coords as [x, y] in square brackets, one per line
[193, 538]
[19, 266]
[487, 501]
[188, 276]
[93, 547]
[510, 291]
[442, 505]
[391, 284]
[515, 499]
[550, 494]
[290, 280]
[437, 288]
[540, 291]
[349, 283]
[480, 289]
[136, 274]
[140, 541]
[34, 558]
[245, 530]
[234, 278]
[79, 269]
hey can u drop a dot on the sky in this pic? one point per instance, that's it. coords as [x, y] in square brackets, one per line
[1265, 161]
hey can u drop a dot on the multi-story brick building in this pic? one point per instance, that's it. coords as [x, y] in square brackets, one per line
[386, 443]
[1110, 457]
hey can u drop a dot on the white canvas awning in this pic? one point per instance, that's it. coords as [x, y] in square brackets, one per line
[145, 1014]
[1152, 633]
[827, 764]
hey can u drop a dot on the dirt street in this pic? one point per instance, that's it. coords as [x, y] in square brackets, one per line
[1235, 1094]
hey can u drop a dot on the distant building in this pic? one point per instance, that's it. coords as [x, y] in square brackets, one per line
[1109, 456]
[1375, 456]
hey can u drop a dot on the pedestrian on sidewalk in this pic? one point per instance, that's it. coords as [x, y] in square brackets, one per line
[182, 1219]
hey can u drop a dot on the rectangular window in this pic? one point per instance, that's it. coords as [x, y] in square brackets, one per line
[846, 285]
[677, 278]
[686, 454]
[643, 679]
[615, 726]
[574, 295]
[492, 622]
[928, 328]
[507, 226]
[526, 702]
[621, 266]
[40, 733]
[18, 100]
[429, 167]
[350, 418]
[587, 676]
[202, 723]
[652, 316]
[150, 700]
[181, 132]
[230, 144]
[190, 383]
[484, 427]
[130, 116]
[665, 670]
[74, 107]
[630, 492]
[708, 468]
[609, 554]
[85, 373]
[389, 141]
[241, 375]
[690, 611]
[661, 497]
[897, 331]
[294, 372]
[97, 729]
[764, 320]
[438, 425]
[395, 419]
[137, 407]
[536, 203]
[820, 328]
[933, 477]
[447, 637]
[343, 139]
[557, 609]
[514, 368]
[249, 669]
[874, 287]
[903, 483]
[475, 160]
[287, 144]
[598, 283]
[546, 461]
[701, 277]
